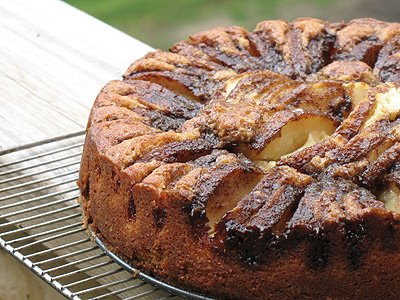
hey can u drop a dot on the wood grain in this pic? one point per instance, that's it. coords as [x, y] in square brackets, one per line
[54, 60]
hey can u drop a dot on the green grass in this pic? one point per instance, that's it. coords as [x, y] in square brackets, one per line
[162, 22]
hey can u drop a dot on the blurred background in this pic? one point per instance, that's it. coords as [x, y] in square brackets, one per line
[160, 23]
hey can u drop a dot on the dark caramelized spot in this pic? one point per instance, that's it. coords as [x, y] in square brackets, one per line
[242, 242]
[390, 238]
[193, 86]
[180, 151]
[209, 161]
[354, 237]
[131, 207]
[393, 174]
[388, 62]
[366, 51]
[341, 108]
[390, 70]
[160, 120]
[297, 54]
[86, 189]
[320, 50]
[157, 97]
[159, 215]
[319, 251]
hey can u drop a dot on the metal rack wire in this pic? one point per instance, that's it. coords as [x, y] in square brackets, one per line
[40, 224]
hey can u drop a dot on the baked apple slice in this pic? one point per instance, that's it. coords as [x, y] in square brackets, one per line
[287, 132]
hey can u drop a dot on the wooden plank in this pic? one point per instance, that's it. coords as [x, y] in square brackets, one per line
[54, 60]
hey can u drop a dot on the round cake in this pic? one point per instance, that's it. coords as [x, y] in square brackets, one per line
[255, 165]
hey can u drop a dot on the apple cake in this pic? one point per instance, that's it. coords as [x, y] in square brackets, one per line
[255, 165]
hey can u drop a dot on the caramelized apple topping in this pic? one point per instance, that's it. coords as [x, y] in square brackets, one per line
[260, 133]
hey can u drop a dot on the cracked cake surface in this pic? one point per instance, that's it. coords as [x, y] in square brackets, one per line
[255, 164]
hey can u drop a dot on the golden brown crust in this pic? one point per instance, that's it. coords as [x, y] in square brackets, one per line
[349, 71]
[255, 165]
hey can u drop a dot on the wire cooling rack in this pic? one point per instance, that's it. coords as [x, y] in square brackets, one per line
[40, 226]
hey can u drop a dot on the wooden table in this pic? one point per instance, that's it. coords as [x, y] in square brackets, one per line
[54, 60]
